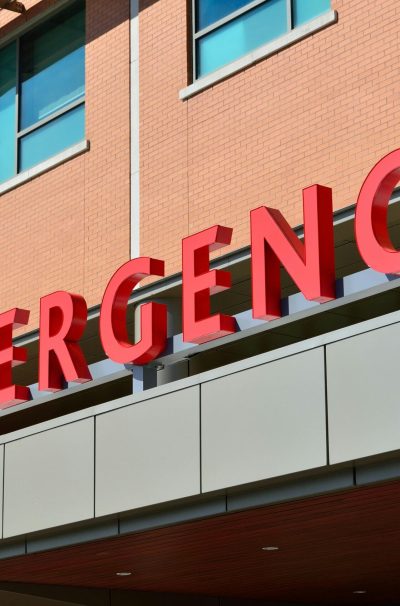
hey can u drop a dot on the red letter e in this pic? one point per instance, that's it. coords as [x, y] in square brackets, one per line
[11, 356]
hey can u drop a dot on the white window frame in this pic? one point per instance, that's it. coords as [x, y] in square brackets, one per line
[15, 37]
[290, 37]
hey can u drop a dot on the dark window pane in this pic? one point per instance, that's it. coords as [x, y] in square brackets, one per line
[7, 111]
[52, 138]
[305, 10]
[210, 11]
[53, 65]
[241, 36]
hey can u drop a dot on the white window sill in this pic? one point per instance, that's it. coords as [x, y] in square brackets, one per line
[260, 53]
[43, 167]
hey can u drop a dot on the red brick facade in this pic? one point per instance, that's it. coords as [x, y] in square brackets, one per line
[324, 110]
[69, 228]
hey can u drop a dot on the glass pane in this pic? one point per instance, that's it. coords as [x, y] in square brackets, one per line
[210, 11]
[7, 111]
[53, 65]
[240, 36]
[52, 138]
[305, 10]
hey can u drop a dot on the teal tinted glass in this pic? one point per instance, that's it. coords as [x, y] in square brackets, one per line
[53, 65]
[52, 138]
[241, 36]
[305, 10]
[7, 111]
[210, 11]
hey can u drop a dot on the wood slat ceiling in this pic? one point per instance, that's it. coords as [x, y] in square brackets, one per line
[329, 547]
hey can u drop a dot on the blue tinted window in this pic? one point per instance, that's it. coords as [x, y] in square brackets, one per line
[254, 27]
[7, 111]
[305, 10]
[52, 138]
[241, 36]
[48, 65]
[210, 11]
[52, 65]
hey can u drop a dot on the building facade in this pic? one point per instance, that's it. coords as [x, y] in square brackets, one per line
[256, 461]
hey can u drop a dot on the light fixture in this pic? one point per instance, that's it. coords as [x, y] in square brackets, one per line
[123, 574]
[270, 548]
[359, 591]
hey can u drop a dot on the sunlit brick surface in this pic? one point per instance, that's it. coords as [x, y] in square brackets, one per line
[324, 110]
[69, 229]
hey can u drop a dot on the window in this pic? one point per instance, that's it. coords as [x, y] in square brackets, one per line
[42, 91]
[228, 29]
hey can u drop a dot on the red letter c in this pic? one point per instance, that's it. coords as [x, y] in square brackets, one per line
[372, 236]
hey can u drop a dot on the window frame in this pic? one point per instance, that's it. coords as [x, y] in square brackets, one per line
[15, 37]
[196, 35]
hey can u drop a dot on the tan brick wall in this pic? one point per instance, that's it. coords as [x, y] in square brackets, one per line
[69, 229]
[321, 111]
[324, 110]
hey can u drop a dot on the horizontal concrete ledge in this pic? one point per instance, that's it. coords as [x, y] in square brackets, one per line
[262, 52]
[44, 167]
[293, 487]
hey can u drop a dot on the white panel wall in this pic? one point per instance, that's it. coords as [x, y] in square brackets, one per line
[265, 419]
[364, 394]
[148, 453]
[49, 479]
[264, 422]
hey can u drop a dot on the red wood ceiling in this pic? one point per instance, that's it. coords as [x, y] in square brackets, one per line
[329, 547]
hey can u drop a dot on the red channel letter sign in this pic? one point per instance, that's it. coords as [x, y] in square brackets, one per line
[310, 264]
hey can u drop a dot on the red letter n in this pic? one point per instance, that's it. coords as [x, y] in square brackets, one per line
[311, 265]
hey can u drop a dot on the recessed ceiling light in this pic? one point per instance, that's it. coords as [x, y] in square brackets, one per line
[360, 591]
[123, 574]
[270, 548]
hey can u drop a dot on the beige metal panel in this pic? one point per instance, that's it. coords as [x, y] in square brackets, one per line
[363, 394]
[148, 453]
[49, 479]
[264, 422]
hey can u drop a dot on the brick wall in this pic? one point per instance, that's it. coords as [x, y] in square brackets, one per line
[324, 110]
[69, 229]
